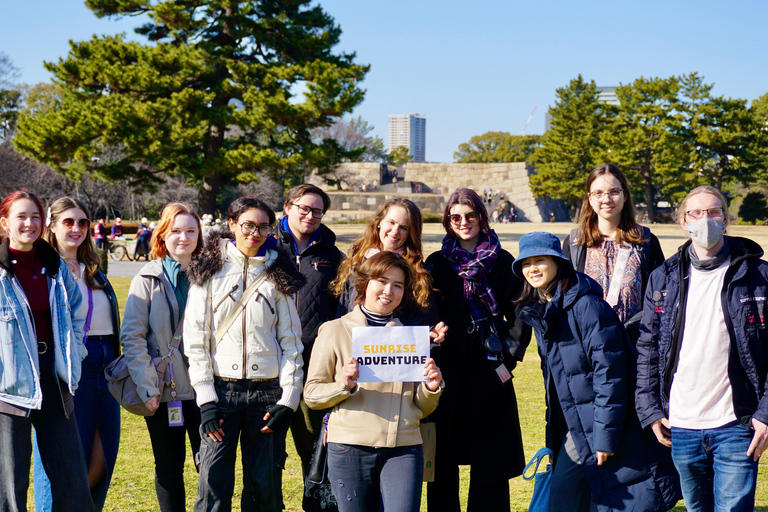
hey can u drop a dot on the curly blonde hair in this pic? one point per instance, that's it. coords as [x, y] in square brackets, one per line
[411, 250]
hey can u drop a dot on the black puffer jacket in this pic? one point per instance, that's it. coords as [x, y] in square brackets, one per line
[318, 263]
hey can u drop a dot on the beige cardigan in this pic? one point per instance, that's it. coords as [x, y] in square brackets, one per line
[379, 414]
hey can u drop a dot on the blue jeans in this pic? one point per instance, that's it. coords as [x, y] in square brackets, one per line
[60, 450]
[242, 405]
[95, 409]
[715, 472]
[364, 478]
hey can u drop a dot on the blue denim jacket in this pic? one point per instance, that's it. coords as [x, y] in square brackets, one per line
[19, 369]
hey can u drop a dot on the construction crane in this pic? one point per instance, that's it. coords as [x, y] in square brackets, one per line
[529, 120]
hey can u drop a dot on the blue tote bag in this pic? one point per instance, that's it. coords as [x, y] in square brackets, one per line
[542, 482]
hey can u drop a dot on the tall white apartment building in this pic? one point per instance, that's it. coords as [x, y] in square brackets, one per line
[608, 95]
[409, 130]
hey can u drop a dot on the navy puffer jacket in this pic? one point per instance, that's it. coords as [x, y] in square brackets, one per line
[744, 297]
[589, 366]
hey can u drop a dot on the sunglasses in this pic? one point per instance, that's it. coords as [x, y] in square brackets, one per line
[82, 223]
[471, 217]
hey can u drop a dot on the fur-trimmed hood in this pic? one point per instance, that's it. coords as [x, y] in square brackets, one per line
[282, 272]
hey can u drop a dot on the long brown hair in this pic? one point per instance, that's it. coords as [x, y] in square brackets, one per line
[86, 251]
[157, 247]
[627, 231]
[375, 266]
[411, 250]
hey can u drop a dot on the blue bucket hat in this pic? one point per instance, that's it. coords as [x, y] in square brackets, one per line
[537, 243]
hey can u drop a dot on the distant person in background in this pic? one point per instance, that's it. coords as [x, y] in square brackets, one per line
[117, 228]
[100, 233]
[142, 240]
[312, 246]
[207, 224]
[611, 247]
[98, 413]
[513, 213]
[552, 217]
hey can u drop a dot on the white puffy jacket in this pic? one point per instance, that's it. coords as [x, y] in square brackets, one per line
[264, 342]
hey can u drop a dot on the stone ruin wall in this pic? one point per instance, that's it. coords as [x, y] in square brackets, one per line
[510, 180]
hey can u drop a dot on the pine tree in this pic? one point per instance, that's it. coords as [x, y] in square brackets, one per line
[645, 137]
[571, 148]
[214, 95]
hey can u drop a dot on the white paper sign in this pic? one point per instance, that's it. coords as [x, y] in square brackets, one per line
[391, 354]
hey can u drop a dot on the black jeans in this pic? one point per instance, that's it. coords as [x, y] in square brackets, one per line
[242, 405]
[170, 451]
[60, 450]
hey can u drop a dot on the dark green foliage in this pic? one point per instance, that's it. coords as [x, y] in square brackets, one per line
[494, 147]
[572, 147]
[753, 208]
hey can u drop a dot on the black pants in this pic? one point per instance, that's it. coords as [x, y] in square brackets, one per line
[60, 450]
[305, 428]
[170, 450]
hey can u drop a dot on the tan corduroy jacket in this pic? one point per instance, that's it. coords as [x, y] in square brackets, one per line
[379, 414]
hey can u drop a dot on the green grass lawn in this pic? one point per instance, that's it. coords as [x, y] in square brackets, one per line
[133, 482]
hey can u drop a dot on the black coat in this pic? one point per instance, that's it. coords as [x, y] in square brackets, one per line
[477, 419]
[318, 263]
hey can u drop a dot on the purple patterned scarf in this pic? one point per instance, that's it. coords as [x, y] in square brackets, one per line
[473, 268]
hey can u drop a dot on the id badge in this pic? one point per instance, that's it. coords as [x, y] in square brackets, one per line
[503, 373]
[175, 414]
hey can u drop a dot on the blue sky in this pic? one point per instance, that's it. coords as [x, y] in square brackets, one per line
[482, 66]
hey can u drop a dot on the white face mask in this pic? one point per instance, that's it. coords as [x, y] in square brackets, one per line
[706, 232]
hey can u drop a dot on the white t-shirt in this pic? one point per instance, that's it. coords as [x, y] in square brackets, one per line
[101, 320]
[701, 395]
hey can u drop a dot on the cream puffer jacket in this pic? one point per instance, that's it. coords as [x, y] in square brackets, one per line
[379, 414]
[264, 342]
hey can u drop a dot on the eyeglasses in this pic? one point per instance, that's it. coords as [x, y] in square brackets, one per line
[712, 213]
[82, 223]
[614, 194]
[471, 218]
[249, 228]
[317, 213]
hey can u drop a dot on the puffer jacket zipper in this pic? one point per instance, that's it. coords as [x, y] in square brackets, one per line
[298, 266]
[245, 309]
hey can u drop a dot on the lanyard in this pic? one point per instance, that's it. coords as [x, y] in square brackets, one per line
[90, 314]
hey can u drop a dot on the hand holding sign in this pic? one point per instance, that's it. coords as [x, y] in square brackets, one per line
[349, 374]
[433, 375]
[437, 334]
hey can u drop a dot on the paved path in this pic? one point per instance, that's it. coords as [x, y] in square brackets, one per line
[125, 268]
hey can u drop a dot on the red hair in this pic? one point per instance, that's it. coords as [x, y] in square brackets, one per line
[5, 206]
